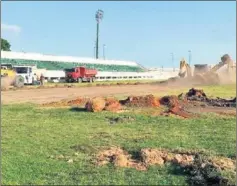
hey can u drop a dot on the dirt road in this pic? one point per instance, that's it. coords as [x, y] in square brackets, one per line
[56, 94]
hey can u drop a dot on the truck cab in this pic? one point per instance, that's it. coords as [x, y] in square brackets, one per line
[27, 73]
[80, 74]
[200, 68]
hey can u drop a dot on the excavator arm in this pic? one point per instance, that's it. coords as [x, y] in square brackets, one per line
[217, 67]
[225, 59]
[184, 69]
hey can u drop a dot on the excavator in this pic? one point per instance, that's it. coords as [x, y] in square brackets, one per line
[203, 74]
[9, 77]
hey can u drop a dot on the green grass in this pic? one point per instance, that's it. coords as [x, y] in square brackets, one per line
[31, 134]
[224, 91]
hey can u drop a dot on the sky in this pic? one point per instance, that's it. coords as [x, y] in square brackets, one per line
[145, 32]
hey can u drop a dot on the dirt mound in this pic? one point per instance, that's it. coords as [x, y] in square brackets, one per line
[153, 156]
[141, 101]
[96, 104]
[220, 102]
[199, 95]
[170, 101]
[75, 102]
[224, 163]
[108, 155]
[147, 157]
[175, 106]
[201, 171]
[119, 158]
[159, 157]
[112, 105]
[183, 160]
[196, 92]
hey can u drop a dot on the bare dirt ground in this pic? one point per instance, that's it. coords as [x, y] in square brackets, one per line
[56, 94]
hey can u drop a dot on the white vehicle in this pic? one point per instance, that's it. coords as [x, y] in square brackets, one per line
[27, 73]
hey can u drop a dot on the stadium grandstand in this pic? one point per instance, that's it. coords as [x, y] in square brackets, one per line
[53, 66]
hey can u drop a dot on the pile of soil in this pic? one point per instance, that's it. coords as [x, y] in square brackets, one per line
[98, 104]
[170, 101]
[175, 106]
[147, 157]
[201, 170]
[196, 92]
[112, 105]
[224, 163]
[220, 102]
[141, 101]
[119, 158]
[200, 96]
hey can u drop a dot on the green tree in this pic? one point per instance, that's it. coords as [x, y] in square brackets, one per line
[5, 45]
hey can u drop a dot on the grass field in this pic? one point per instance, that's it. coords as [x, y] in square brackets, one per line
[30, 135]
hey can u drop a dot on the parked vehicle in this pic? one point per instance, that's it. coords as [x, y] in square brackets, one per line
[26, 72]
[9, 77]
[80, 74]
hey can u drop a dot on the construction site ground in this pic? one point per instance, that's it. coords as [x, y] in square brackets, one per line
[133, 138]
[47, 94]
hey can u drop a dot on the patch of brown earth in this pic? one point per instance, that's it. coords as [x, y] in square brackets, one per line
[112, 105]
[175, 106]
[170, 101]
[153, 156]
[63, 103]
[180, 112]
[141, 101]
[148, 157]
[183, 160]
[225, 113]
[224, 163]
[119, 158]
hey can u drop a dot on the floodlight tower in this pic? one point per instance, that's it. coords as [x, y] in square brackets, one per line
[98, 16]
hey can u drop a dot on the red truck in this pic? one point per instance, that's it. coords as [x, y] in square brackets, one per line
[80, 74]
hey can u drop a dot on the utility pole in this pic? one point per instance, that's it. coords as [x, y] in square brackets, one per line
[98, 16]
[189, 57]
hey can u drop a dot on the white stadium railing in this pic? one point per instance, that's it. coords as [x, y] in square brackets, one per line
[158, 74]
[69, 59]
[113, 76]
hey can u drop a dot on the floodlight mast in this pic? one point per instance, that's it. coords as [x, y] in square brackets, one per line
[98, 16]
